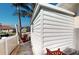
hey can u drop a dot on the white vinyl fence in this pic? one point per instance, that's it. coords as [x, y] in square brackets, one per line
[2, 47]
[8, 44]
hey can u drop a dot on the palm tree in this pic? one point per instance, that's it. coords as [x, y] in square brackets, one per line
[22, 10]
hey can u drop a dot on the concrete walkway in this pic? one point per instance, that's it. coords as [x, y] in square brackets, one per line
[25, 49]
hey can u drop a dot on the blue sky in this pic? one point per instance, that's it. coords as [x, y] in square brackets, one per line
[7, 17]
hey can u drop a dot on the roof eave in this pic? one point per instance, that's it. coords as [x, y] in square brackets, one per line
[51, 7]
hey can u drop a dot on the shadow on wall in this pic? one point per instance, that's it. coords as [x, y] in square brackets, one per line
[77, 38]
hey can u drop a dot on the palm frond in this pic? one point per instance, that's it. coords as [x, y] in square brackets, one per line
[26, 9]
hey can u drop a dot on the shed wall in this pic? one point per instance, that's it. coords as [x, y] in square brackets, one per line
[36, 34]
[51, 30]
[58, 30]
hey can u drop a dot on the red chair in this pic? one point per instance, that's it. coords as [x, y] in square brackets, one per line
[24, 38]
[56, 52]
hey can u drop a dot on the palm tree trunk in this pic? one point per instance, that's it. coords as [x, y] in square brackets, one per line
[19, 23]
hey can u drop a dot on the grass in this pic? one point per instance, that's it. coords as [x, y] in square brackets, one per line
[7, 34]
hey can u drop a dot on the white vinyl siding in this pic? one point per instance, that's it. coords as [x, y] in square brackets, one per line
[36, 34]
[57, 30]
[51, 30]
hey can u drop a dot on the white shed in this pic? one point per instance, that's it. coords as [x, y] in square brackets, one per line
[51, 27]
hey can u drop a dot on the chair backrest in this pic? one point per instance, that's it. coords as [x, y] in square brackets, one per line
[56, 52]
[24, 38]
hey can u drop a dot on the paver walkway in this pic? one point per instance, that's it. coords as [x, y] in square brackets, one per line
[25, 49]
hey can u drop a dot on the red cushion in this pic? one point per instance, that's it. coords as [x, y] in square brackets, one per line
[56, 52]
[24, 38]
